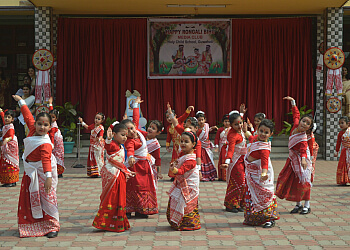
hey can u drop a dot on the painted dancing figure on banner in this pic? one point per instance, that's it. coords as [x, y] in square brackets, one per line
[96, 155]
[37, 206]
[294, 181]
[141, 196]
[234, 162]
[343, 170]
[207, 159]
[111, 215]
[260, 199]
[56, 139]
[182, 212]
[9, 159]
[205, 62]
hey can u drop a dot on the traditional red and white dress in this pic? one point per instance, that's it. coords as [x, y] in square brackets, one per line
[343, 170]
[313, 148]
[207, 159]
[9, 159]
[141, 196]
[174, 136]
[182, 212]
[235, 175]
[260, 199]
[96, 150]
[198, 148]
[294, 183]
[153, 148]
[37, 210]
[111, 215]
[58, 150]
[221, 142]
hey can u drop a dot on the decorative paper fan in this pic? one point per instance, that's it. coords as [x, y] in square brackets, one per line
[334, 58]
[333, 105]
[43, 59]
[41, 109]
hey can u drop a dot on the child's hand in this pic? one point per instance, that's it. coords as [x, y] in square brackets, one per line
[190, 108]
[50, 100]
[138, 100]
[223, 166]
[80, 119]
[169, 108]
[131, 161]
[264, 178]
[242, 108]
[245, 127]
[47, 185]
[303, 163]
[109, 133]
[213, 128]
[288, 98]
[250, 125]
[168, 149]
[336, 154]
[17, 98]
[125, 116]
[159, 176]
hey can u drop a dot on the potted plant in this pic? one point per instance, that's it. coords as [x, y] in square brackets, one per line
[68, 127]
[288, 126]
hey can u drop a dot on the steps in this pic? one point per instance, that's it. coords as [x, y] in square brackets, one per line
[279, 149]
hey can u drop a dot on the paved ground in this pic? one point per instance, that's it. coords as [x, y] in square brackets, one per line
[327, 227]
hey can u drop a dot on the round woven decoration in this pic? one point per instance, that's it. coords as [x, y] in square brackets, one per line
[333, 105]
[41, 109]
[43, 59]
[334, 58]
[192, 62]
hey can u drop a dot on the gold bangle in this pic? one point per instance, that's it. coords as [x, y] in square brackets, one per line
[263, 174]
[248, 134]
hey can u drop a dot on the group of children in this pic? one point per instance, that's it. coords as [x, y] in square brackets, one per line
[129, 186]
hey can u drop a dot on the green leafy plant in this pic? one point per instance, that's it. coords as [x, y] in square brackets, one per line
[287, 126]
[68, 113]
[108, 122]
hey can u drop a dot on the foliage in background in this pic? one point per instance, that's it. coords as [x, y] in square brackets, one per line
[288, 126]
[108, 122]
[68, 113]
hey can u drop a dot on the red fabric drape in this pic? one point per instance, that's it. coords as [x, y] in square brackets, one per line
[99, 59]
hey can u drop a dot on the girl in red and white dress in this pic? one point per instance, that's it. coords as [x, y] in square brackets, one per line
[257, 120]
[111, 215]
[234, 162]
[56, 139]
[96, 156]
[9, 159]
[294, 181]
[313, 148]
[221, 143]
[260, 200]
[207, 159]
[37, 206]
[182, 212]
[141, 196]
[343, 169]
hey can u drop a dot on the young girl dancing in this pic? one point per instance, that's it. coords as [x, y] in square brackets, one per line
[182, 212]
[257, 120]
[111, 215]
[221, 143]
[141, 196]
[96, 156]
[260, 200]
[294, 181]
[9, 159]
[344, 161]
[234, 162]
[208, 166]
[57, 140]
[37, 206]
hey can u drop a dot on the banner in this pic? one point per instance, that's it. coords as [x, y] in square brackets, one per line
[189, 48]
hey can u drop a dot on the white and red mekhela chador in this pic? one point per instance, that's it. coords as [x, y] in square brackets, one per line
[153, 148]
[111, 215]
[58, 150]
[96, 156]
[37, 210]
[208, 166]
[235, 175]
[343, 170]
[260, 199]
[313, 148]
[9, 159]
[221, 141]
[182, 212]
[173, 135]
[141, 196]
[294, 183]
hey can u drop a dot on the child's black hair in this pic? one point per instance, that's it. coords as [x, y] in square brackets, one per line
[267, 123]
[192, 136]
[27, 86]
[101, 114]
[43, 114]
[119, 127]
[173, 111]
[233, 117]
[344, 118]
[193, 121]
[126, 121]
[260, 116]
[10, 112]
[225, 117]
[158, 124]
[55, 112]
[200, 114]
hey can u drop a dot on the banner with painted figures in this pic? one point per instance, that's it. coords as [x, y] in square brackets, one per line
[189, 48]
